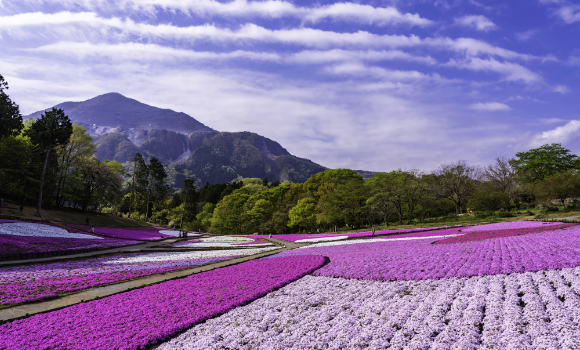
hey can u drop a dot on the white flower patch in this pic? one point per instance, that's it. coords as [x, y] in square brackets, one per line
[190, 255]
[227, 239]
[324, 239]
[533, 310]
[29, 229]
[221, 241]
[355, 241]
[170, 233]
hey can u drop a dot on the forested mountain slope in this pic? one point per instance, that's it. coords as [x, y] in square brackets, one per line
[122, 127]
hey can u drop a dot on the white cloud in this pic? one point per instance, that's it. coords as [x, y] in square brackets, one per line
[343, 11]
[334, 55]
[490, 106]
[478, 22]
[365, 14]
[561, 89]
[147, 52]
[526, 35]
[569, 14]
[510, 71]
[561, 134]
[119, 29]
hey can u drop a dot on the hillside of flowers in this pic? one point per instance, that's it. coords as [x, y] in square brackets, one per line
[27, 240]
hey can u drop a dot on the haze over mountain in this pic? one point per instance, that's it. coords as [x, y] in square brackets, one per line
[123, 126]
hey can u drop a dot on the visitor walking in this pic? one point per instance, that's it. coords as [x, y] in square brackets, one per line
[318, 230]
[373, 230]
[93, 229]
[1, 201]
[87, 221]
[21, 208]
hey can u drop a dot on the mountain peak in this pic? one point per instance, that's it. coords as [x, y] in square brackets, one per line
[113, 110]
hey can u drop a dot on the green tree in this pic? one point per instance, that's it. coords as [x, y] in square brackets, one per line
[157, 187]
[10, 117]
[456, 182]
[70, 156]
[540, 163]
[189, 196]
[486, 200]
[560, 187]
[51, 130]
[303, 214]
[139, 180]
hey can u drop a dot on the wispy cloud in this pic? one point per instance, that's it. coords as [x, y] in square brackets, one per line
[342, 11]
[490, 106]
[510, 71]
[478, 22]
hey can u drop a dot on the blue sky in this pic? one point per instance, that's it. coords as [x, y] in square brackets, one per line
[374, 85]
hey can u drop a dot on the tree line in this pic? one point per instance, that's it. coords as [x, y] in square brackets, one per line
[52, 162]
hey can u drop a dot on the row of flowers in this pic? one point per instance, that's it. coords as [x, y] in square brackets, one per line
[146, 316]
[134, 233]
[44, 281]
[501, 232]
[420, 259]
[301, 237]
[539, 310]
[221, 241]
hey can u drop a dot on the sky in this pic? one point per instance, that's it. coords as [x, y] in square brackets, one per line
[371, 85]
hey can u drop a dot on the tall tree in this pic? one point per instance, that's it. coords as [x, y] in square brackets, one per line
[157, 188]
[189, 196]
[456, 182]
[70, 156]
[10, 117]
[540, 163]
[139, 181]
[51, 130]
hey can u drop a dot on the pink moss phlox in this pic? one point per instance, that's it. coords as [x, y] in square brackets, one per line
[148, 315]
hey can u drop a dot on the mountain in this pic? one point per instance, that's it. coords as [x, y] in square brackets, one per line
[122, 127]
[115, 112]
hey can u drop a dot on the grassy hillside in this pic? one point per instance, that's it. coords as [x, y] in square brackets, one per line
[11, 210]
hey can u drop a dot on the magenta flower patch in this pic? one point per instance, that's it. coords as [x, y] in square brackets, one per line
[146, 316]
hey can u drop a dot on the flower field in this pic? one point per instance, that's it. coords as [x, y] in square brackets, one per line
[43, 281]
[306, 238]
[148, 315]
[134, 233]
[512, 285]
[26, 240]
[222, 241]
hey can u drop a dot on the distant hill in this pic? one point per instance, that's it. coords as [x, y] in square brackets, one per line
[122, 127]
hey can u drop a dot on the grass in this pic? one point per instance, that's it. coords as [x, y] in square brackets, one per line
[71, 216]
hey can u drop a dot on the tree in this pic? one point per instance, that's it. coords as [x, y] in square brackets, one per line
[10, 117]
[489, 200]
[157, 188]
[189, 196]
[303, 215]
[540, 163]
[51, 130]
[560, 186]
[501, 175]
[70, 156]
[140, 179]
[456, 182]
